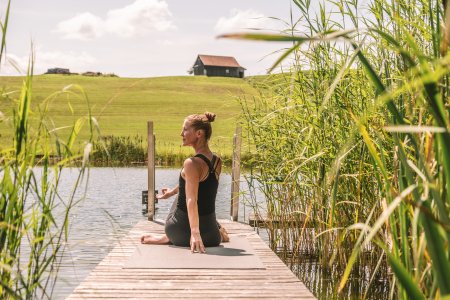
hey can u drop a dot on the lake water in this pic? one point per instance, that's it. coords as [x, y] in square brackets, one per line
[112, 206]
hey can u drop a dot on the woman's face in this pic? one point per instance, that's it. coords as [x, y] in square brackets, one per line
[188, 134]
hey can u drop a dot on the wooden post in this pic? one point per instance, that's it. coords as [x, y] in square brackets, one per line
[151, 170]
[236, 174]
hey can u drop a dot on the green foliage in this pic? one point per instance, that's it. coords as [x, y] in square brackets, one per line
[119, 151]
[34, 219]
[354, 141]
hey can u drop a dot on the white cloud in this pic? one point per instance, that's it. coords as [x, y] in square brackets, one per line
[240, 20]
[76, 62]
[85, 26]
[136, 19]
[139, 18]
[13, 65]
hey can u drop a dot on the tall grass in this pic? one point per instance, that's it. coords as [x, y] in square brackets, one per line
[34, 219]
[353, 142]
[119, 151]
[126, 151]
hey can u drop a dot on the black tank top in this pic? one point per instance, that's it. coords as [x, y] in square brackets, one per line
[207, 190]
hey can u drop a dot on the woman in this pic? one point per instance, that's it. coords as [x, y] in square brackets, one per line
[192, 219]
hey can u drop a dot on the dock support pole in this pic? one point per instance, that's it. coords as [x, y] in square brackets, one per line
[235, 174]
[151, 170]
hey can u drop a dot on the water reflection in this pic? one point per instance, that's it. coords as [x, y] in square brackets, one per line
[323, 281]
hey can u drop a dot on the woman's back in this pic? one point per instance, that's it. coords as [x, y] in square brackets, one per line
[207, 189]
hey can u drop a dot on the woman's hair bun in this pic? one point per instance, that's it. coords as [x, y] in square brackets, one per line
[210, 116]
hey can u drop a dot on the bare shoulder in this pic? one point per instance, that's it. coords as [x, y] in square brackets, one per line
[191, 166]
[189, 163]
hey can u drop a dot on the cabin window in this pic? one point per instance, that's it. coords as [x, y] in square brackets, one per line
[227, 71]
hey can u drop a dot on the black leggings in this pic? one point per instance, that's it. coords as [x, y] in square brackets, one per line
[178, 230]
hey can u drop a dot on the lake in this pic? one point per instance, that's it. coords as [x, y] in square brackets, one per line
[112, 206]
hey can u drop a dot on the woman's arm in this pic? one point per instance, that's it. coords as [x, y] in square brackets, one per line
[165, 193]
[192, 175]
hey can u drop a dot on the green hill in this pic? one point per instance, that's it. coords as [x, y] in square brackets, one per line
[123, 106]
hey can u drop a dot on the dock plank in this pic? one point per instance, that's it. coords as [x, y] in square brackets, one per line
[109, 280]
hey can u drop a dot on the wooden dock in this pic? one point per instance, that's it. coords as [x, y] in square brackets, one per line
[110, 280]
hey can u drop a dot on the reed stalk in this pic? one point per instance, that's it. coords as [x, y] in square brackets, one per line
[34, 219]
[353, 142]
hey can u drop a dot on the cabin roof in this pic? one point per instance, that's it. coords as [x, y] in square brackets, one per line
[219, 61]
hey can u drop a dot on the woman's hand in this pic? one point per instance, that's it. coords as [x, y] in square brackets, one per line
[165, 193]
[196, 242]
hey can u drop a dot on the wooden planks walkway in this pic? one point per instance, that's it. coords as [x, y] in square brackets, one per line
[109, 280]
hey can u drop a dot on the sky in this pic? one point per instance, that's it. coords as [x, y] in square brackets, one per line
[139, 38]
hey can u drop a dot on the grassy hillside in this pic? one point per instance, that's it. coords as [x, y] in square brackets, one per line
[124, 105]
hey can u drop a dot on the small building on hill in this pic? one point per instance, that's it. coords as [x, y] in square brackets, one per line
[58, 71]
[212, 65]
[93, 74]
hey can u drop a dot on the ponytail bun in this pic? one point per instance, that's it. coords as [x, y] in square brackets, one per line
[210, 116]
[202, 122]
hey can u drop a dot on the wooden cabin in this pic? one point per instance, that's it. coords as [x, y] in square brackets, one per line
[212, 65]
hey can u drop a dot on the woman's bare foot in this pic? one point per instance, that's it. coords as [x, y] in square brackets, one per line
[224, 234]
[155, 239]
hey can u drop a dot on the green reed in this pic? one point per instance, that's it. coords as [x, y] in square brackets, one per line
[34, 219]
[119, 151]
[353, 142]
[126, 151]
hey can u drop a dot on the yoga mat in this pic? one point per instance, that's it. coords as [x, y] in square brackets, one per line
[236, 254]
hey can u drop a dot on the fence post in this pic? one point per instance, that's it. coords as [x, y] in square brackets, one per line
[151, 170]
[235, 174]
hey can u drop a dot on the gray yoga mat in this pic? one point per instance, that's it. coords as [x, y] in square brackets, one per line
[236, 254]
